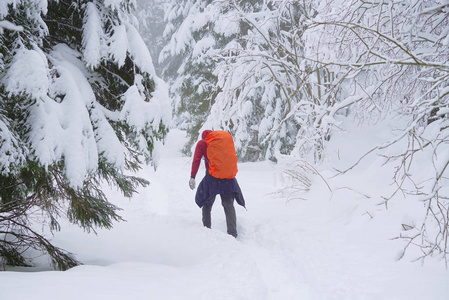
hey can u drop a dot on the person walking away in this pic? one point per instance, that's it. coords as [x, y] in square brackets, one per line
[217, 143]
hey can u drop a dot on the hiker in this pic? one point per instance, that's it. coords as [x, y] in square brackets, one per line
[210, 186]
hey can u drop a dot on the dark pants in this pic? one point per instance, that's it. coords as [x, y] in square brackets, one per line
[228, 204]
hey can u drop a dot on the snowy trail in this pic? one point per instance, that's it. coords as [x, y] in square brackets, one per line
[319, 249]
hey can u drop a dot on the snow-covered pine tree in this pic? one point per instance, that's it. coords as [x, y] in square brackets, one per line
[80, 106]
[244, 72]
[192, 39]
[266, 96]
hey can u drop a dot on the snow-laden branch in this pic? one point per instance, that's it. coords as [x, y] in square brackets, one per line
[9, 26]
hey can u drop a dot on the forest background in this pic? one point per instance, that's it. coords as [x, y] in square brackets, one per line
[281, 76]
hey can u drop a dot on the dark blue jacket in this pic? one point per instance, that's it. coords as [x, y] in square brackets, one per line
[211, 186]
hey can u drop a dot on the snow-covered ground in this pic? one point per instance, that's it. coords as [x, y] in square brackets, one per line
[332, 242]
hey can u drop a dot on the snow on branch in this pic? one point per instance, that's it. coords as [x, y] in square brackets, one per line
[9, 26]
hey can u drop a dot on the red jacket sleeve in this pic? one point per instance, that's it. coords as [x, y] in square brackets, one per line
[200, 152]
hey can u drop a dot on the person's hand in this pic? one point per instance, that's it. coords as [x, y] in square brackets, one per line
[192, 183]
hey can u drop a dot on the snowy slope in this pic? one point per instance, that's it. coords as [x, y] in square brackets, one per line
[314, 245]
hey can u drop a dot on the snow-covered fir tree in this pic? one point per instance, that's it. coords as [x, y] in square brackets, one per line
[188, 66]
[241, 69]
[265, 96]
[80, 105]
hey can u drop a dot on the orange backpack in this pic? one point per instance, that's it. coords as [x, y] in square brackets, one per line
[221, 155]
